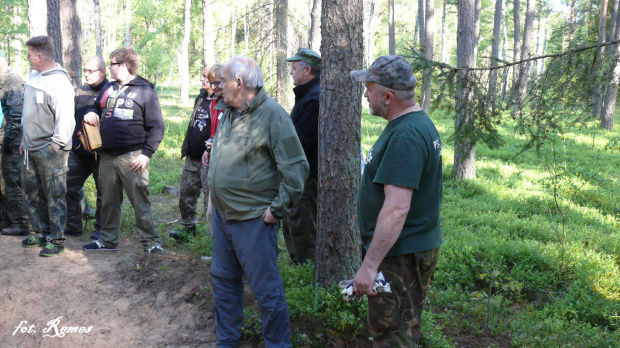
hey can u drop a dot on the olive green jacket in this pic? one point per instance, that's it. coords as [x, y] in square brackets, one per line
[256, 162]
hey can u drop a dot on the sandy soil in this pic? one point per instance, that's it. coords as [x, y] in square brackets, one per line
[121, 299]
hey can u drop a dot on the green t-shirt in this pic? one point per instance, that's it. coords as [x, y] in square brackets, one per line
[407, 153]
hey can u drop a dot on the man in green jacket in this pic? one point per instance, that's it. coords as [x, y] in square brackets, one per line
[257, 170]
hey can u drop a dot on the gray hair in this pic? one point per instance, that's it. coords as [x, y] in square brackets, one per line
[246, 69]
[314, 70]
[400, 95]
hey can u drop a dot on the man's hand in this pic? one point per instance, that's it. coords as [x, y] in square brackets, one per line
[364, 281]
[206, 157]
[21, 149]
[91, 118]
[139, 163]
[268, 218]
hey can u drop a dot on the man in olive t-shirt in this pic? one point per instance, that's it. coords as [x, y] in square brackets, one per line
[398, 204]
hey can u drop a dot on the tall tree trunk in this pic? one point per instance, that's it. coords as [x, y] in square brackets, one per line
[314, 34]
[368, 35]
[71, 40]
[282, 86]
[497, 26]
[37, 17]
[127, 23]
[525, 54]
[391, 33]
[536, 51]
[464, 121]
[612, 26]
[613, 57]
[602, 28]
[421, 23]
[97, 20]
[444, 26]
[517, 43]
[544, 48]
[429, 51]
[571, 31]
[208, 35]
[246, 29]
[338, 251]
[54, 28]
[184, 55]
[477, 14]
[504, 55]
[233, 31]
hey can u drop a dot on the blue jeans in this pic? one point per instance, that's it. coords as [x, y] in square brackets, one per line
[250, 247]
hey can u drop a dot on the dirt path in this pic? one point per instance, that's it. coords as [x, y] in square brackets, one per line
[122, 299]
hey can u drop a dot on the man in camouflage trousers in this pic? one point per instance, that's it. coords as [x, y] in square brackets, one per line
[398, 205]
[48, 124]
[11, 86]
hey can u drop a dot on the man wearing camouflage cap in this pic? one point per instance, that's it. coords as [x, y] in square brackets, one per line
[299, 224]
[398, 205]
[11, 87]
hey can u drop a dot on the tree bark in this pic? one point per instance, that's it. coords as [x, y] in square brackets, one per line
[504, 55]
[184, 55]
[477, 14]
[524, 68]
[368, 34]
[611, 88]
[391, 33]
[517, 43]
[338, 251]
[536, 53]
[127, 23]
[97, 20]
[497, 26]
[71, 40]
[314, 34]
[233, 31]
[208, 36]
[282, 85]
[421, 23]
[571, 31]
[464, 121]
[444, 26]
[37, 17]
[602, 28]
[429, 52]
[54, 29]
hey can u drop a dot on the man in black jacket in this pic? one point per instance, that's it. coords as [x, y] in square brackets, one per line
[81, 162]
[299, 226]
[131, 129]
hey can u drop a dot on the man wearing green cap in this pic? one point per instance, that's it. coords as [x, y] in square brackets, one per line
[299, 225]
[11, 86]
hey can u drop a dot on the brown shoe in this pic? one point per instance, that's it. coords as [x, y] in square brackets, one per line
[15, 231]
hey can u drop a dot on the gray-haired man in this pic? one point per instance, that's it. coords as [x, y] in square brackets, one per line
[399, 203]
[257, 169]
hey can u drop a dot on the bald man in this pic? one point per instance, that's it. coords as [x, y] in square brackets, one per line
[81, 162]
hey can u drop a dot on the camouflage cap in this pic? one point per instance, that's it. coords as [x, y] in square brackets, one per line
[307, 55]
[390, 71]
[2, 55]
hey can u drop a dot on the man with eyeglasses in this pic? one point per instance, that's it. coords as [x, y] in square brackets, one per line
[83, 163]
[194, 176]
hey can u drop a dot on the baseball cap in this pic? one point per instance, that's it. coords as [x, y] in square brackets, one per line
[307, 55]
[390, 71]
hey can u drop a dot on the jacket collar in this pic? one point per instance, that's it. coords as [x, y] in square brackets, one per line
[302, 90]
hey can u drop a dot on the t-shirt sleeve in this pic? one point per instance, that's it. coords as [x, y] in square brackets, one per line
[401, 164]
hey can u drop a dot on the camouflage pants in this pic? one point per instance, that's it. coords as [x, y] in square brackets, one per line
[13, 195]
[193, 182]
[299, 225]
[394, 320]
[44, 181]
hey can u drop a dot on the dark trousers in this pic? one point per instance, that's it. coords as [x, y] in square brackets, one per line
[80, 168]
[299, 225]
[247, 247]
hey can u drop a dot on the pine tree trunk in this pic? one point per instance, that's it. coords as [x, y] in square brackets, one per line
[233, 31]
[517, 44]
[208, 36]
[338, 251]
[246, 29]
[536, 53]
[391, 33]
[602, 28]
[611, 90]
[477, 14]
[421, 23]
[571, 31]
[497, 26]
[314, 35]
[525, 54]
[97, 20]
[54, 29]
[429, 52]
[184, 55]
[127, 23]
[444, 26]
[504, 55]
[464, 121]
[282, 87]
[71, 40]
[544, 49]
[368, 35]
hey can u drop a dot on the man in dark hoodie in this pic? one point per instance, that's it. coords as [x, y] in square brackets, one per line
[299, 225]
[132, 127]
[47, 127]
[83, 163]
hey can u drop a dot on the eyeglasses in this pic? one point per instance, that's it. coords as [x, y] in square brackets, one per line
[117, 63]
[88, 71]
[215, 83]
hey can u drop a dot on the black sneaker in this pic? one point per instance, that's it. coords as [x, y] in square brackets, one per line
[52, 250]
[155, 249]
[33, 242]
[74, 233]
[95, 235]
[183, 235]
[97, 245]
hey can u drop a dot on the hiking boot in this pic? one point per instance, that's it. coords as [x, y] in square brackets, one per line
[73, 233]
[34, 241]
[51, 250]
[155, 249]
[95, 235]
[97, 245]
[15, 231]
[184, 234]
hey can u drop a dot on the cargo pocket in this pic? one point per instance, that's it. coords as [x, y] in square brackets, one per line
[383, 313]
[57, 183]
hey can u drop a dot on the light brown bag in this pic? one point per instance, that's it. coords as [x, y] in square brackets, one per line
[90, 137]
